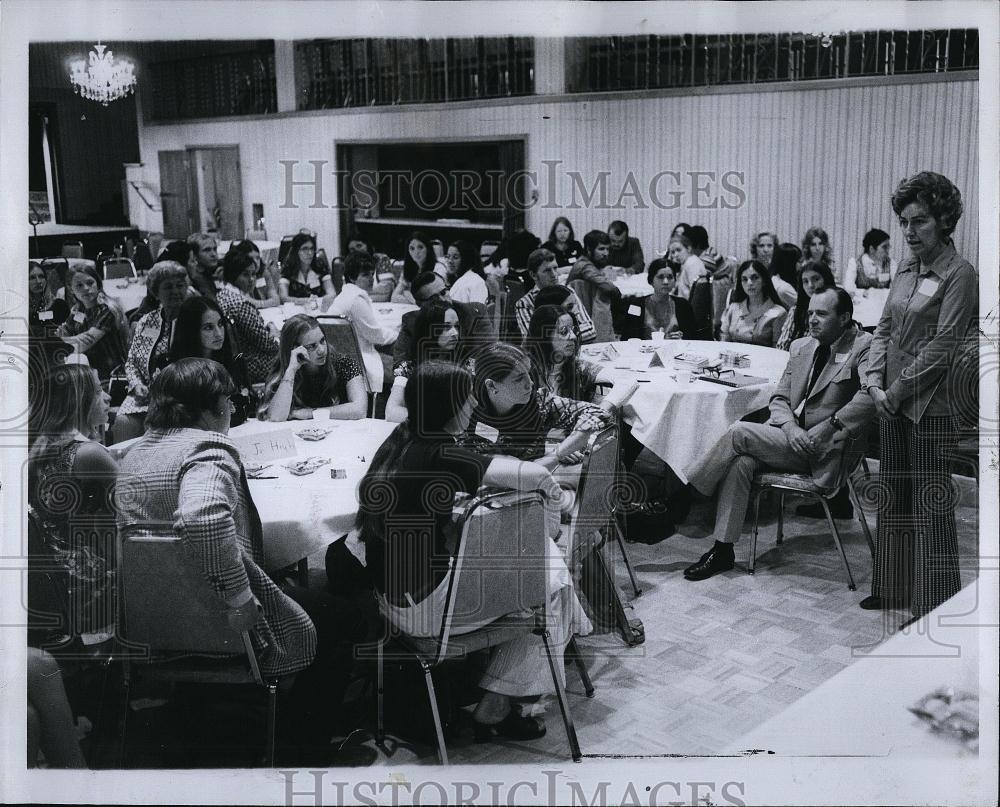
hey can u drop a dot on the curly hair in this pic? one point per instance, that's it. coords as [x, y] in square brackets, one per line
[935, 192]
[756, 240]
[821, 234]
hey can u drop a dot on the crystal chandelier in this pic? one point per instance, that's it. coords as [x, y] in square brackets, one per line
[102, 77]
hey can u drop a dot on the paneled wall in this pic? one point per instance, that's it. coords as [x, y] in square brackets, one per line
[828, 156]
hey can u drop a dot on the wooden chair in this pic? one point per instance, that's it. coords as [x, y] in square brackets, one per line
[499, 583]
[342, 338]
[168, 606]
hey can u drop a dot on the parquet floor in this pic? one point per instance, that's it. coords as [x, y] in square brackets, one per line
[721, 655]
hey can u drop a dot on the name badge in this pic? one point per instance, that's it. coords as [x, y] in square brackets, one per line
[487, 432]
[45, 315]
[928, 287]
[267, 446]
[634, 311]
[79, 316]
[840, 358]
[260, 282]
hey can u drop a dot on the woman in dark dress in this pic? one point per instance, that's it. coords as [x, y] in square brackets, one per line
[562, 243]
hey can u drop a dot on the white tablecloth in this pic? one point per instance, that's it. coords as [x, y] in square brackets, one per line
[680, 422]
[389, 315]
[128, 294]
[861, 711]
[303, 514]
[868, 305]
[634, 285]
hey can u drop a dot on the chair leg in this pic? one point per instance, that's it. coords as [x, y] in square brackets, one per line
[581, 667]
[574, 744]
[616, 601]
[380, 695]
[438, 730]
[756, 523]
[861, 515]
[781, 517]
[840, 546]
[621, 545]
[272, 720]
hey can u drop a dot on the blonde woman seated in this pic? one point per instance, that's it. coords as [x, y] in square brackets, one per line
[755, 314]
[310, 376]
[405, 517]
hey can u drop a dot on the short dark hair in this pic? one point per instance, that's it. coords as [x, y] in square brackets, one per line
[421, 280]
[874, 238]
[655, 267]
[185, 389]
[538, 257]
[595, 238]
[179, 251]
[235, 264]
[618, 228]
[552, 295]
[845, 303]
[698, 236]
[935, 192]
[358, 263]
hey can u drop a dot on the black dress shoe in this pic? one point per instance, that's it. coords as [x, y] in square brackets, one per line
[720, 558]
[512, 727]
[874, 603]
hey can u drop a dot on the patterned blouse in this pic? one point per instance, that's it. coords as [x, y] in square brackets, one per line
[316, 390]
[146, 354]
[522, 431]
[255, 340]
[108, 352]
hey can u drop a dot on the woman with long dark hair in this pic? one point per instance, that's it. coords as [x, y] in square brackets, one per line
[404, 521]
[419, 258]
[553, 345]
[310, 376]
[303, 276]
[755, 313]
[814, 276]
[266, 283]
[203, 332]
[469, 283]
[784, 266]
[562, 243]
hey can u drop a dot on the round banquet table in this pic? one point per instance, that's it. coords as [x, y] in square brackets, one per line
[129, 292]
[678, 421]
[389, 315]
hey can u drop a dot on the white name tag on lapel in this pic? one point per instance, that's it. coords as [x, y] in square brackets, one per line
[487, 432]
[928, 287]
[634, 311]
[276, 445]
[44, 315]
[79, 316]
[260, 282]
[840, 358]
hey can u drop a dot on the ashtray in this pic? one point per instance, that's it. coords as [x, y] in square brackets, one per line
[306, 466]
[254, 469]
[647, 349]
[314, 433]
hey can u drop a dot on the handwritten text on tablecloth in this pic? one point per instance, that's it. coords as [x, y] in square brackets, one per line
[272, 445]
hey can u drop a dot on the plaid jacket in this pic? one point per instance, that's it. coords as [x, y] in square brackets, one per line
[191, 482]
[254, 338]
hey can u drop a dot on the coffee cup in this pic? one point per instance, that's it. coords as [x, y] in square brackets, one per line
[657, 336]
[321, 414]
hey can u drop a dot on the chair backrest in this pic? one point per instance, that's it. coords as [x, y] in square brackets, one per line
[166, 603]
[513, 291]
[117, 268]
[720, 295]
[72, 249]
[342, 338]
[256, 235]
[56, 270]
[284, 247]
[500, 567]
[495, 311]
[701, 305]
[594, 494]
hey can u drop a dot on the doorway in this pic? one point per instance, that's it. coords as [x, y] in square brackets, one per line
[201, 190]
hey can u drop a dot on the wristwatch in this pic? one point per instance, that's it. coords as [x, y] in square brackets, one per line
[835, 422]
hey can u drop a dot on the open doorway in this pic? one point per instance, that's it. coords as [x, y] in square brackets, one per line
[201, 190]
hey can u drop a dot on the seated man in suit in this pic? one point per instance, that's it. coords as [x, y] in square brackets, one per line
[819, 415]
[473, 318]
[544, 273]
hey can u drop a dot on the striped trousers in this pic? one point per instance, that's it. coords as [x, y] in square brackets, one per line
[916, 545]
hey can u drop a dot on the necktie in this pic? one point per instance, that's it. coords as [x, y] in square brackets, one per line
[819, 362]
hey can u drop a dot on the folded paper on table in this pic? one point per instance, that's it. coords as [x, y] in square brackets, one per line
[261, 448]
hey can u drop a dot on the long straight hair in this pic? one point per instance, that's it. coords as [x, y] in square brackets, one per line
[70, 392]
[802, 299]
[410, 267]
[767, 287]
[291, 332]
[290, 268]
[538, 346]
[187, 332]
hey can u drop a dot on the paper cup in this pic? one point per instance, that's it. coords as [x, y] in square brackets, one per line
[657, 336]
[321, 414]
[684, 376]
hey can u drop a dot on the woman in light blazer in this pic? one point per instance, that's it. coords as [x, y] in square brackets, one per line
[931, 308]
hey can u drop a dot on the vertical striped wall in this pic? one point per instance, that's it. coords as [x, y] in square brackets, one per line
[824, 156]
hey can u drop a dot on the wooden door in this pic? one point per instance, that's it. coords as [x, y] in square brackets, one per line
[221, 183]
[175, 200]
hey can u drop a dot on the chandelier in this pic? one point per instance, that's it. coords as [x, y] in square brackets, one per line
[102, 77]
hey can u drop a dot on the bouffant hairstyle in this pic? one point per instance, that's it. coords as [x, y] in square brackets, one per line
[935, 192]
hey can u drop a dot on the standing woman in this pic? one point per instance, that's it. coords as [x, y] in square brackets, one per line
[310, 376]
[815, 276]
[873, 268]
[420, 257]
[202, 332]
[562, 243]
[303, 277]
[96, 325]
[935, 295]
[168, 283]
[755, 315]
[469, 283]
[663, 310]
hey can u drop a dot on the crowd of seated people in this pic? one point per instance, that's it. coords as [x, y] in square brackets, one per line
[474, 408]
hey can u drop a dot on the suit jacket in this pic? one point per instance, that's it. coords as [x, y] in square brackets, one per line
[191, 482]
[596, 293]
[839, 391]
[473, 323]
